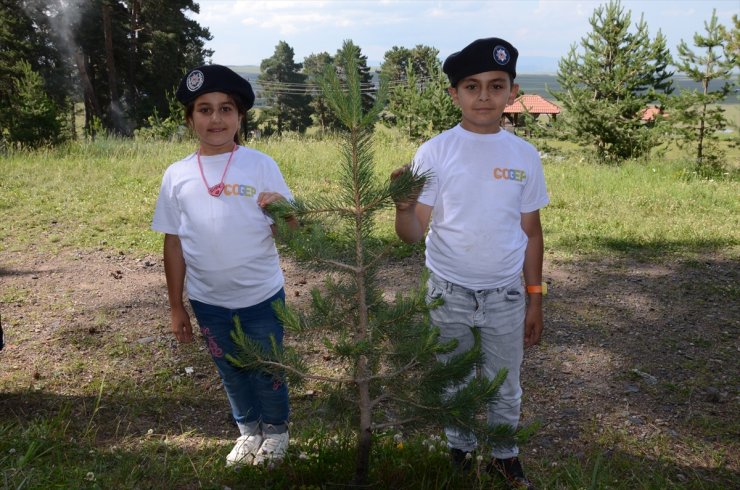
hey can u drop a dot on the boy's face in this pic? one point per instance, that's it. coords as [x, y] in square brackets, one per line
[215, 120]
[482, 98]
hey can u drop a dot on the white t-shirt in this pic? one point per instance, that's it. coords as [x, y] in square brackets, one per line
[479, 186]
[230, 255]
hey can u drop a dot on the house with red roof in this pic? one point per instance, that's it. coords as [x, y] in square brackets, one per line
[533, 104]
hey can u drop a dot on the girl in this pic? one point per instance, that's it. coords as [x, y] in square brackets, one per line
[217, 236]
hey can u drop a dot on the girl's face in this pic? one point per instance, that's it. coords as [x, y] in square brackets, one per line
[215, 119]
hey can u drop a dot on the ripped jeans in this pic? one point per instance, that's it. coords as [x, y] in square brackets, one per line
[255, 397]
[498, 314]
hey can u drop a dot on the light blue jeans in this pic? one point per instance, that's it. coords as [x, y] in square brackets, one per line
[256, 398]
[498, 314]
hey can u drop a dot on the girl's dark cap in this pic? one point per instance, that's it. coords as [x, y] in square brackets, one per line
[489, 54]
[214, 78]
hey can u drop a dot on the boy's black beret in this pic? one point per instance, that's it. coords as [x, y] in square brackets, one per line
[489, 54]
[214, 78]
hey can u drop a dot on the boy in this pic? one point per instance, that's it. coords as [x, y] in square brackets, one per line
[486, 187]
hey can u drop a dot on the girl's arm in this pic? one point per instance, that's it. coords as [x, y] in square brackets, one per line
[265, 198]
[174, 271]
[533, 320]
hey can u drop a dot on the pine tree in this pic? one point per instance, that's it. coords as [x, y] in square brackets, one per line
[390, 375]
[695, 115]
[314, 66]
[283, 88]
[606, 87]
[421, 106]
[34, 117]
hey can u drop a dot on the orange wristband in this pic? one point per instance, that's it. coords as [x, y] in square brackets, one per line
[541, 289]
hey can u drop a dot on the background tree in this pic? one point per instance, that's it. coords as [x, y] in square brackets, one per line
[314, 66]
[284, 91]
[390, 376]
[420, 106]
[397, 60]
[34, 117]
[26, 36]
[350, 50]
[606, 87]
[695, 115]
[119, 57]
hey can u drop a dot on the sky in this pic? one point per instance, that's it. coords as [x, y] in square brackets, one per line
[245, 32]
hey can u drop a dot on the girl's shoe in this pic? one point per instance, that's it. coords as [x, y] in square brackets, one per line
[273, 448]
[244, 450]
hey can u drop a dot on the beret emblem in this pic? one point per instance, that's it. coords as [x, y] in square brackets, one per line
[501, 55]
[195, 80]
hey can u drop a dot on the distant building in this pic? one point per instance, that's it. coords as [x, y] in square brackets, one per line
[535, 105]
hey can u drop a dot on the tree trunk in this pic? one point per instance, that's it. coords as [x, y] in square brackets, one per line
[133, 58]
[114, 110]
[92, 109]
[365, 435]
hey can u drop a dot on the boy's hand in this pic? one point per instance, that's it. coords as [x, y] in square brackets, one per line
[533, 321]
[181, 327]
[410, 200]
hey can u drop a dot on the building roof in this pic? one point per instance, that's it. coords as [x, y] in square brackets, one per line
[652, 112]
[534, 104]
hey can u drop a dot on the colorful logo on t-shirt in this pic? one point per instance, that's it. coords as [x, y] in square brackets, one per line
[239, 190]
[509, 174]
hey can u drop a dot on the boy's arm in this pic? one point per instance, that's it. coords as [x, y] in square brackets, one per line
[412, 221]
[174, 271]
[533, 255]
[412, 217]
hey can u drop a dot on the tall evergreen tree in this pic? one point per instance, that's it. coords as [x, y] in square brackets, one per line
[695, 115]
[390, 376]
[33, 118]
[606, 86]
[350, 50]
[418, 101]
[284, 91]
[398, 60]
[25, 35]
[314, 67]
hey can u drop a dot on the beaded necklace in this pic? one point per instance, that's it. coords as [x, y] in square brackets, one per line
[217, 189]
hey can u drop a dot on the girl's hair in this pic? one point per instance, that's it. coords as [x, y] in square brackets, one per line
[240, 107]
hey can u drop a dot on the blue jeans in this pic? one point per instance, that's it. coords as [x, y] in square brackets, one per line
[498, 314]
[255, 397]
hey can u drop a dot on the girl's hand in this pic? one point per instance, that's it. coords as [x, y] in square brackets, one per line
[181, 327]
[265, 198]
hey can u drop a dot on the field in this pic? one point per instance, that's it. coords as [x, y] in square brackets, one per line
[635, 384]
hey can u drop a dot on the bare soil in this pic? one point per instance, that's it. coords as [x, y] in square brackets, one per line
[638, 357]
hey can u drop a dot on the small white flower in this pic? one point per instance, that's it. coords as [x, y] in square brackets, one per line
[189, 370]
[11, 450]
[150, 432]
[478, 458]
[90, 476]
[303, 455]
[468, 456]
[431, 449]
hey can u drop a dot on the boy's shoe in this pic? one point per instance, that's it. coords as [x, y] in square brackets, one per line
[244, 450]
[511, 469]
[273, 448]
[461, 460]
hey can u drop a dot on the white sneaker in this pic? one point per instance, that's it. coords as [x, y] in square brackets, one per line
[273, 449]
[244, 450]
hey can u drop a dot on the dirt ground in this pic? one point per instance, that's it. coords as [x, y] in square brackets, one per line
[636, 357]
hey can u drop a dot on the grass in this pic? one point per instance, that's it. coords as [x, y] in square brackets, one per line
[98, 429]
